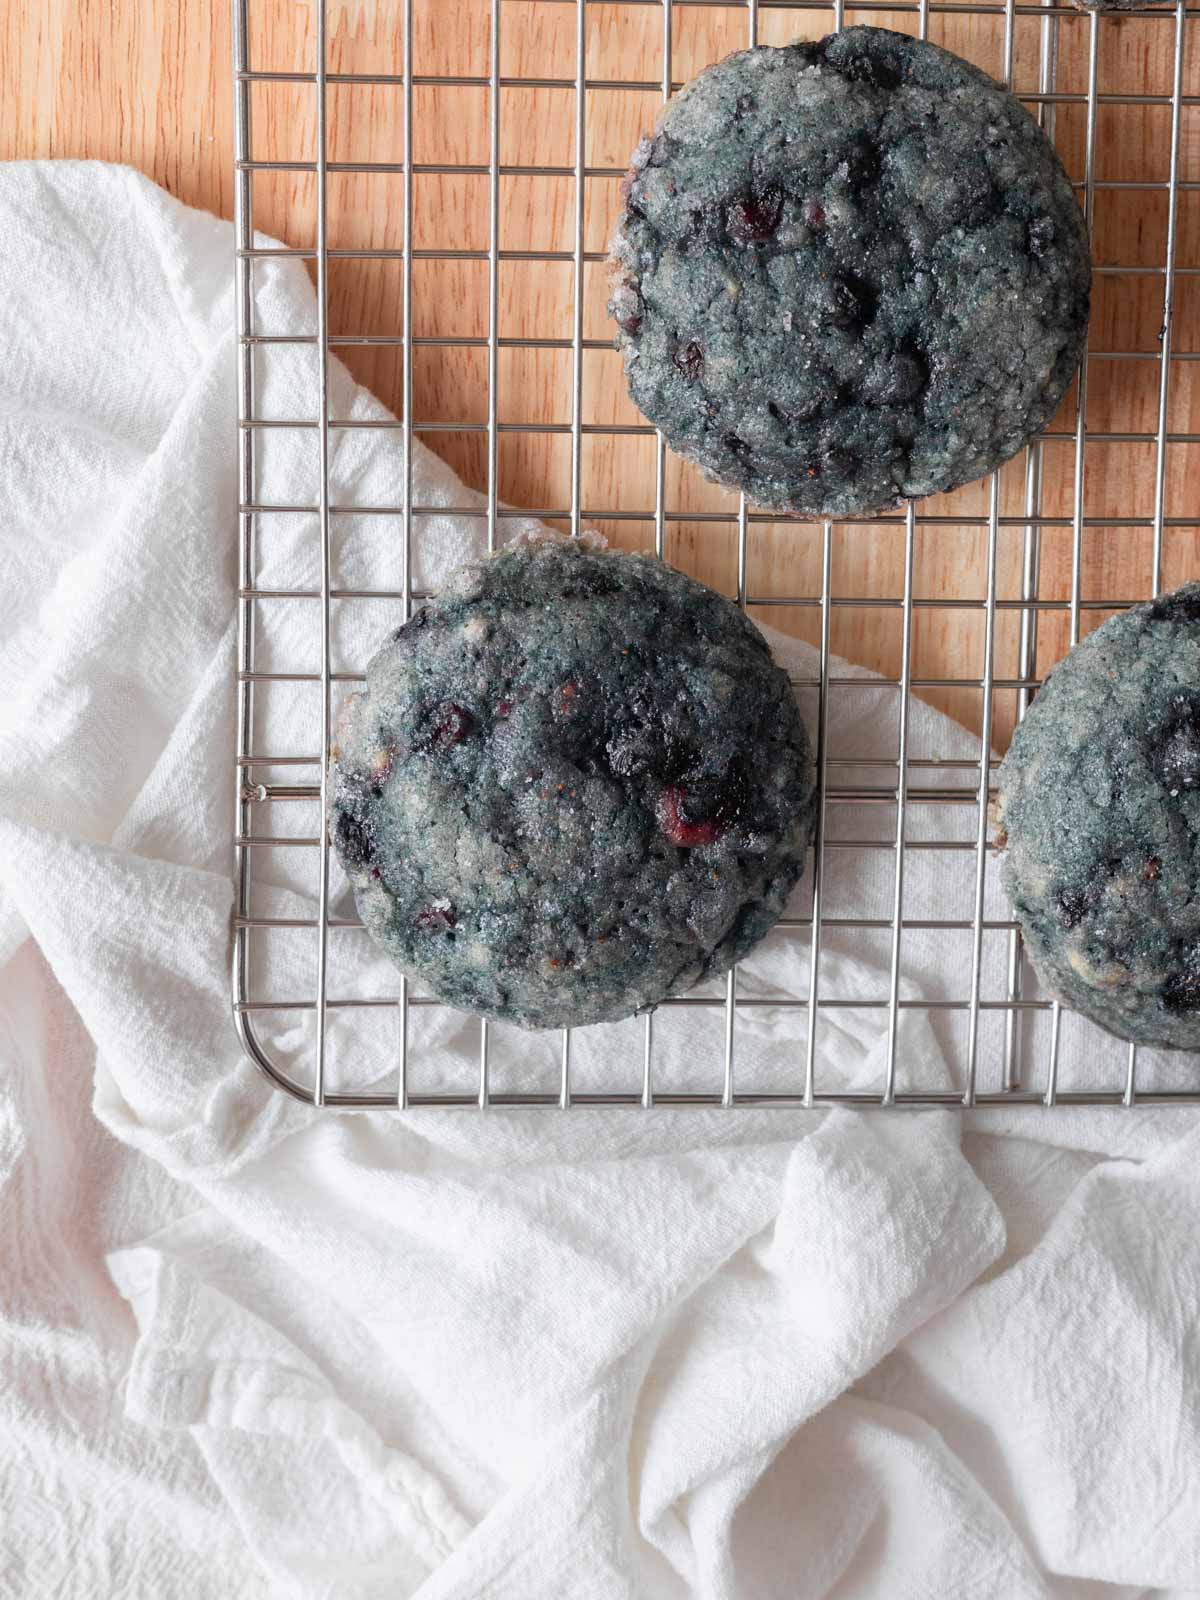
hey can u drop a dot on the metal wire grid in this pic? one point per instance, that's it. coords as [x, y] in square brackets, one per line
[249, 1008]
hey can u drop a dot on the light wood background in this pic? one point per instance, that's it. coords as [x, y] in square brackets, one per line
[149, 84]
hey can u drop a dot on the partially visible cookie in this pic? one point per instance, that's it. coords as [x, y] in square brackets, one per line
[848, 273]
[1100, 802]
[576, 783]
[1116, 5]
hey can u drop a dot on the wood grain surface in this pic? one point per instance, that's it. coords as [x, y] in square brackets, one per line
[149, 84]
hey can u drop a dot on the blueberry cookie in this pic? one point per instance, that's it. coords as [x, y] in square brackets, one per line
[1100, 802]
[1116, 5]
[576, 783]
[848, 274]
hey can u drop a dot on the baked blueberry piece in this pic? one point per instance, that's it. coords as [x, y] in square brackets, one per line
[576, 783]
[848, 273]
[1100, 802]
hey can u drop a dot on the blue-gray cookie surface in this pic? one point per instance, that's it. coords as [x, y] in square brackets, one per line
[848, 274]
[1100, 802]
[1117, 5]
[575, 783]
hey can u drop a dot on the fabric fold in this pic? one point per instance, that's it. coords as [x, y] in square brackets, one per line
[249, 1348]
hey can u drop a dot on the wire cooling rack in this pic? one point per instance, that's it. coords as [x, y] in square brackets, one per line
[1004, 1046]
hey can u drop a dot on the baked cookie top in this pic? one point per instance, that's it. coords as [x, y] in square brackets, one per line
[848, 273]
[1099, 805]
[574, 784]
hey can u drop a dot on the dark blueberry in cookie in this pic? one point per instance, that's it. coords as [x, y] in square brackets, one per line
[1181, 992]
[1182, 606]
[720, 797]
[1099, 811]
[676, 827]
[862, 162]
[437, 917]
[1175, 746]
[643, 739]
[591, 585]
[700, 809]
[628, 754]
[451, 725]
[973, 198]
[353, 839]
[689, 358]
[899, 380]
[849, 303]
[548, 870]
[704, 226]
[873, 67]
[1073, 904]
[753, 218]
[1075, 901]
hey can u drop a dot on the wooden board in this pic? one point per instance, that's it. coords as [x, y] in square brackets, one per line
[150, 85]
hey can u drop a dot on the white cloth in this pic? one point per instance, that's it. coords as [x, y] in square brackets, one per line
[601, 1354]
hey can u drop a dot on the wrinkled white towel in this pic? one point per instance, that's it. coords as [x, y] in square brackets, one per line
[248, 1348]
